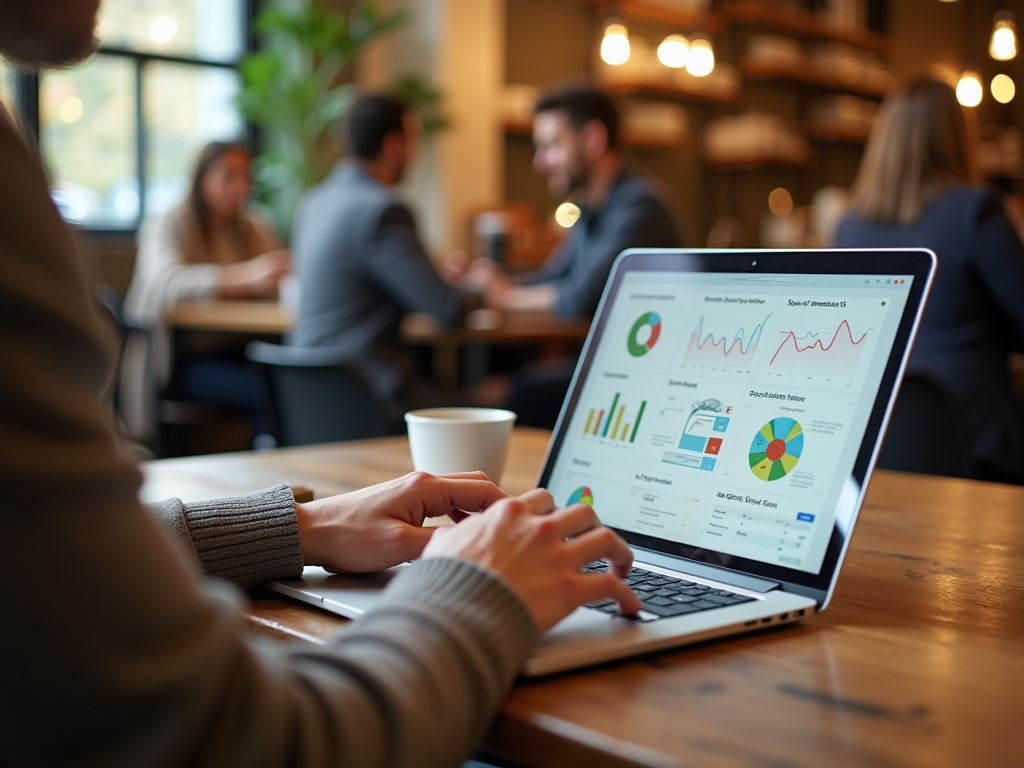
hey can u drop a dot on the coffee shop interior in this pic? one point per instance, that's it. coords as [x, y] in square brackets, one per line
[304, 219]
[750, 117]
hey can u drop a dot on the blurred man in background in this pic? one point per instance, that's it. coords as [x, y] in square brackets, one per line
[360, 263]
[578, 142]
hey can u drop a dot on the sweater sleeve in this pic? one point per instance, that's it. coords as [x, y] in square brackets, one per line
[244, 539]
[162, 277]
[150, 664]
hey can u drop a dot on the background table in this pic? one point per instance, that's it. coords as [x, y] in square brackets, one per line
[918, 661]
[223, 316]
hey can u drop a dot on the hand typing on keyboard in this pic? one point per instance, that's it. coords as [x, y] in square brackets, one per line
[665, 596]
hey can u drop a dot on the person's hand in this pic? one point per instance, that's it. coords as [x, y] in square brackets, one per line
[258, 277]
[381, 526]
[539, 553]
[454, 267]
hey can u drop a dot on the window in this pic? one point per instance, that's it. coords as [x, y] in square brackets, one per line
[120, 133]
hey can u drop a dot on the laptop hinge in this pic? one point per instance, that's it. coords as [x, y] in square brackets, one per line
[736, 579]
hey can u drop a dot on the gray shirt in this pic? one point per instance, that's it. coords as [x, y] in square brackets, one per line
[635, 214]
[116, 652]
[361, 267]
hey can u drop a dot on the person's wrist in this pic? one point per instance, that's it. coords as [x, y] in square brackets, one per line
[307, 538]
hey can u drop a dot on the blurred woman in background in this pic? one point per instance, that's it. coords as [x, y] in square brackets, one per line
[210, 246]
[916, 188]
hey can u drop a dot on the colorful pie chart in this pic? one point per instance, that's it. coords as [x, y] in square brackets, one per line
[644, 334]
[776, 449]
[582, 495]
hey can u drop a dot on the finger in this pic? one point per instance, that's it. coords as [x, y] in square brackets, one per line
[538, 501]
[461, 494]
[466, 476]
[599, 544]
[574, 520]
[598, 586]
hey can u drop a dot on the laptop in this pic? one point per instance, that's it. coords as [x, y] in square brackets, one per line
[724, 419]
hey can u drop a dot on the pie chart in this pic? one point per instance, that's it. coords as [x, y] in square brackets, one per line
[644, 334]
[582, 495]
[776, 448]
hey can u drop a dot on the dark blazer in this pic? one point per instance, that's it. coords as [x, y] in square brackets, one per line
[974, 317]
[361, 267]
[636, 214]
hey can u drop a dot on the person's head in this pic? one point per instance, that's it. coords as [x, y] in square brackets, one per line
[920, 144]
[221, 181]
[48, 33]
[573, 126]
[381, 130]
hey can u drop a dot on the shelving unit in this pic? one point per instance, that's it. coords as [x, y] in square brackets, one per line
[668, 90]
[517, 128]
[838, 134]
[755, 71]
[683, 18]
[801, 23]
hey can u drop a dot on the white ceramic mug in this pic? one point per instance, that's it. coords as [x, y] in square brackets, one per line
[448, 440]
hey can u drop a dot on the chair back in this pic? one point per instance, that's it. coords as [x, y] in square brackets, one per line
[314, 395]
[928, 430]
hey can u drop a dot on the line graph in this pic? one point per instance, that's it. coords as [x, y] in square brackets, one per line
[735, 350]
[837, 358]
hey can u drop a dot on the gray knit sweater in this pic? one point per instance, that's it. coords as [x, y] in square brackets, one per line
[114, 651]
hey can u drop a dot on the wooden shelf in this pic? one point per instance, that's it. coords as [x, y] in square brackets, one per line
[518, 128]
[754, 71]
[782, 18]
[836, 133]
[755, 164]
[667, 90]
[640, 10]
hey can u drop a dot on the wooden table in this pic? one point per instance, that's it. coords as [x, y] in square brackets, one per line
[919, 661]
[223, 316]
[488, 327]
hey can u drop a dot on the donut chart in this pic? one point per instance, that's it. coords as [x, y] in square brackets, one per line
[776, 448]
[582, 495]
[644, 334]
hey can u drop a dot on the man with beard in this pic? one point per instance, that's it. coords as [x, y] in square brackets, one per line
[115, 650]
[577, 137]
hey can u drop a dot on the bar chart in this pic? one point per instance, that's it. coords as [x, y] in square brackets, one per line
[611, 423]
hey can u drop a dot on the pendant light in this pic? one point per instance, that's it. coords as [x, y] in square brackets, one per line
[969, 90]
[1003, 45]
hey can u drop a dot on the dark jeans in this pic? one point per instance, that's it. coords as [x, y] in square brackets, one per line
[538, 391]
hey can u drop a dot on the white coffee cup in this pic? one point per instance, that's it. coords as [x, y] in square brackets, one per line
[448, 440]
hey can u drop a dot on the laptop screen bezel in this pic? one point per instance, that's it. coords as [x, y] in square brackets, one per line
[915, 263]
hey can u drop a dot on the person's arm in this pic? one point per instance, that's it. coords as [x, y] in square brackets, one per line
[998, 257]
[398, 264]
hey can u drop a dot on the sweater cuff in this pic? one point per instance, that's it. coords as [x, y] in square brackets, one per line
[473, 598]
[246, 539]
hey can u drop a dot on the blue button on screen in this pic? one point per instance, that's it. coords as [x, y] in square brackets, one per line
[805, 517]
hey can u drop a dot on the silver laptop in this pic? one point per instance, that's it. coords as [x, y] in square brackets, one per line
[724, 418]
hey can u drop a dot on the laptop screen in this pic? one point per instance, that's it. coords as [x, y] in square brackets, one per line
[725, 411]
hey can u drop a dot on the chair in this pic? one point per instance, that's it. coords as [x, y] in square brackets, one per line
[928, 431]
[315, 395]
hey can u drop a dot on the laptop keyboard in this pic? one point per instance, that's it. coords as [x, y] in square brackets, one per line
[662, 596]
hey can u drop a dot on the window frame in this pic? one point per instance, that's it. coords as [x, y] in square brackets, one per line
[26, 97]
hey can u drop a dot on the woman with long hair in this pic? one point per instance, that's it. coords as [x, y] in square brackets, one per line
[917, 188]
[210, 246]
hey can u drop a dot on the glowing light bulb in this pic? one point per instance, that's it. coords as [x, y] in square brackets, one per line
[163, 29]
[1003, 89]
[566, 215]
[701, 58]
[969, 90]
[615, 45]
[1003, 45]
[673, 50]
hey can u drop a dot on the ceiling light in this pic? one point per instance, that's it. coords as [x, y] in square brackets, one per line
[1003, 45]
[1003, 89]
[701, 58]
[615, 44]
[969, 90]
[673, 50]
